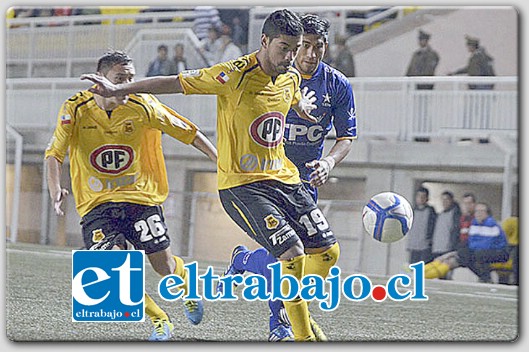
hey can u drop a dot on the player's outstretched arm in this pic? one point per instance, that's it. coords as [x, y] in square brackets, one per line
[151, 85]
[57, 193]
[202, 143]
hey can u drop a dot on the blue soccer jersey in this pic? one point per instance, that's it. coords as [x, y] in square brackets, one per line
[335, 106]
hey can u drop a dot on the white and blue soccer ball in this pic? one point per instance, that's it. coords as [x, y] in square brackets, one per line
[387, 217]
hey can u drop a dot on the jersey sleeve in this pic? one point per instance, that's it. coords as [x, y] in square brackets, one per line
[60, 141]
[170, 122]
[345, 113]
[219, 79]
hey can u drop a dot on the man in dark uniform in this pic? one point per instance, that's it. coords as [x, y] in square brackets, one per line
[424, 60]
[479, 64]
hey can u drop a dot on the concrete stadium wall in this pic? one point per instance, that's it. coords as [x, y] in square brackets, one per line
[496, 27]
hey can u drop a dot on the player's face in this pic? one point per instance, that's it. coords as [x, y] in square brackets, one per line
[119, 74]
[311, 53]
[280, 53]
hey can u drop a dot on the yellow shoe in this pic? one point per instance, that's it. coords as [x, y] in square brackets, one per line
[318, 332]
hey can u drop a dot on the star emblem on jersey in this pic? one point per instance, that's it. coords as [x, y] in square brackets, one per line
[327, 98]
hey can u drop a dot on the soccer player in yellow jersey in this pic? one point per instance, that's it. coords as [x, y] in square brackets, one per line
[259, 187]
[118, 173]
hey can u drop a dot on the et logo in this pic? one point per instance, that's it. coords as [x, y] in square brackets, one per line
[108, 286]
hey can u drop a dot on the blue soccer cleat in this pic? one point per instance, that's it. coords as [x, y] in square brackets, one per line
[163, 330]
[282, 333]
[194, 311]
[231, 269]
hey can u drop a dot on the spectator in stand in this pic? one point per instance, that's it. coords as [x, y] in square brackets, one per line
[211, 46]
[510, 226]
[227, 49]
[480, 63]
[238, 35]
[87, 11]
[469, 203]
[487, 244]
[419, 239]
[180, 62]
[206, 17]
[342, 58]
[446, 230]
[424, 60]
[161, 66]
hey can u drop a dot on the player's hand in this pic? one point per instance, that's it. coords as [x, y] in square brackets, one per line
[322, 169]
[58, 199]
[306, 105]
[103, 86]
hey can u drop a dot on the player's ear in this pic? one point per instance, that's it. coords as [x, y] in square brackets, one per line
[264, 41]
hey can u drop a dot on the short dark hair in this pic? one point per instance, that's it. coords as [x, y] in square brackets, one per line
[448, 194]
[423, 190]
[162, 46]
[470, 195]
[313, 24]
[112, 58]
[283, 22]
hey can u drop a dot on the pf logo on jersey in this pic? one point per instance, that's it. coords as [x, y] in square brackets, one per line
[112, 159]
[267, 129]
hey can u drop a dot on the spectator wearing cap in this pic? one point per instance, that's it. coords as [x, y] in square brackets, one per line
[480, 63]
[424, 60]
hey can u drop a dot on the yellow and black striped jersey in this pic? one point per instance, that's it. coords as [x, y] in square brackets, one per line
[117, 156]
[251, 111]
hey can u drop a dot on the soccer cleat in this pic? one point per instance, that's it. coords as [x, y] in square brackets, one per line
[318, 332]
[163, 330]
[281, 333]
[194, 311]
[231, 269]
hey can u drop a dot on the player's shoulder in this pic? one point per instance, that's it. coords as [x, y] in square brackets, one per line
[334, 74]
[79, 98]
[294, 73]
[143, 101]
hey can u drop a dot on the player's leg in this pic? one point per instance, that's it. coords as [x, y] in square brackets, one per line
[442, 265]
[102, 230]
[163, 327]
[148, 232]
[255, 208]
[256, 262]
[321, 248]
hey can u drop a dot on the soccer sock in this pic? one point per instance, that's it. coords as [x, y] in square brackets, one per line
[256, 262]
[436, 269]
[297, 309]
[180, 271]
[321, 263]
[153, 310]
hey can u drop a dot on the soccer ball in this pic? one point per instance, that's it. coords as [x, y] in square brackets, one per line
[387, 217]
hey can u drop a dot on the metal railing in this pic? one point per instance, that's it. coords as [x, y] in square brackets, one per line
[387, 107]
[63, 46]
[17, 161]
[340, 17]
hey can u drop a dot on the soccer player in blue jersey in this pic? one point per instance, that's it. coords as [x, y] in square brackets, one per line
[304, 144]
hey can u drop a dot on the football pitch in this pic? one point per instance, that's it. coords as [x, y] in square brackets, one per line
[38, 287]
